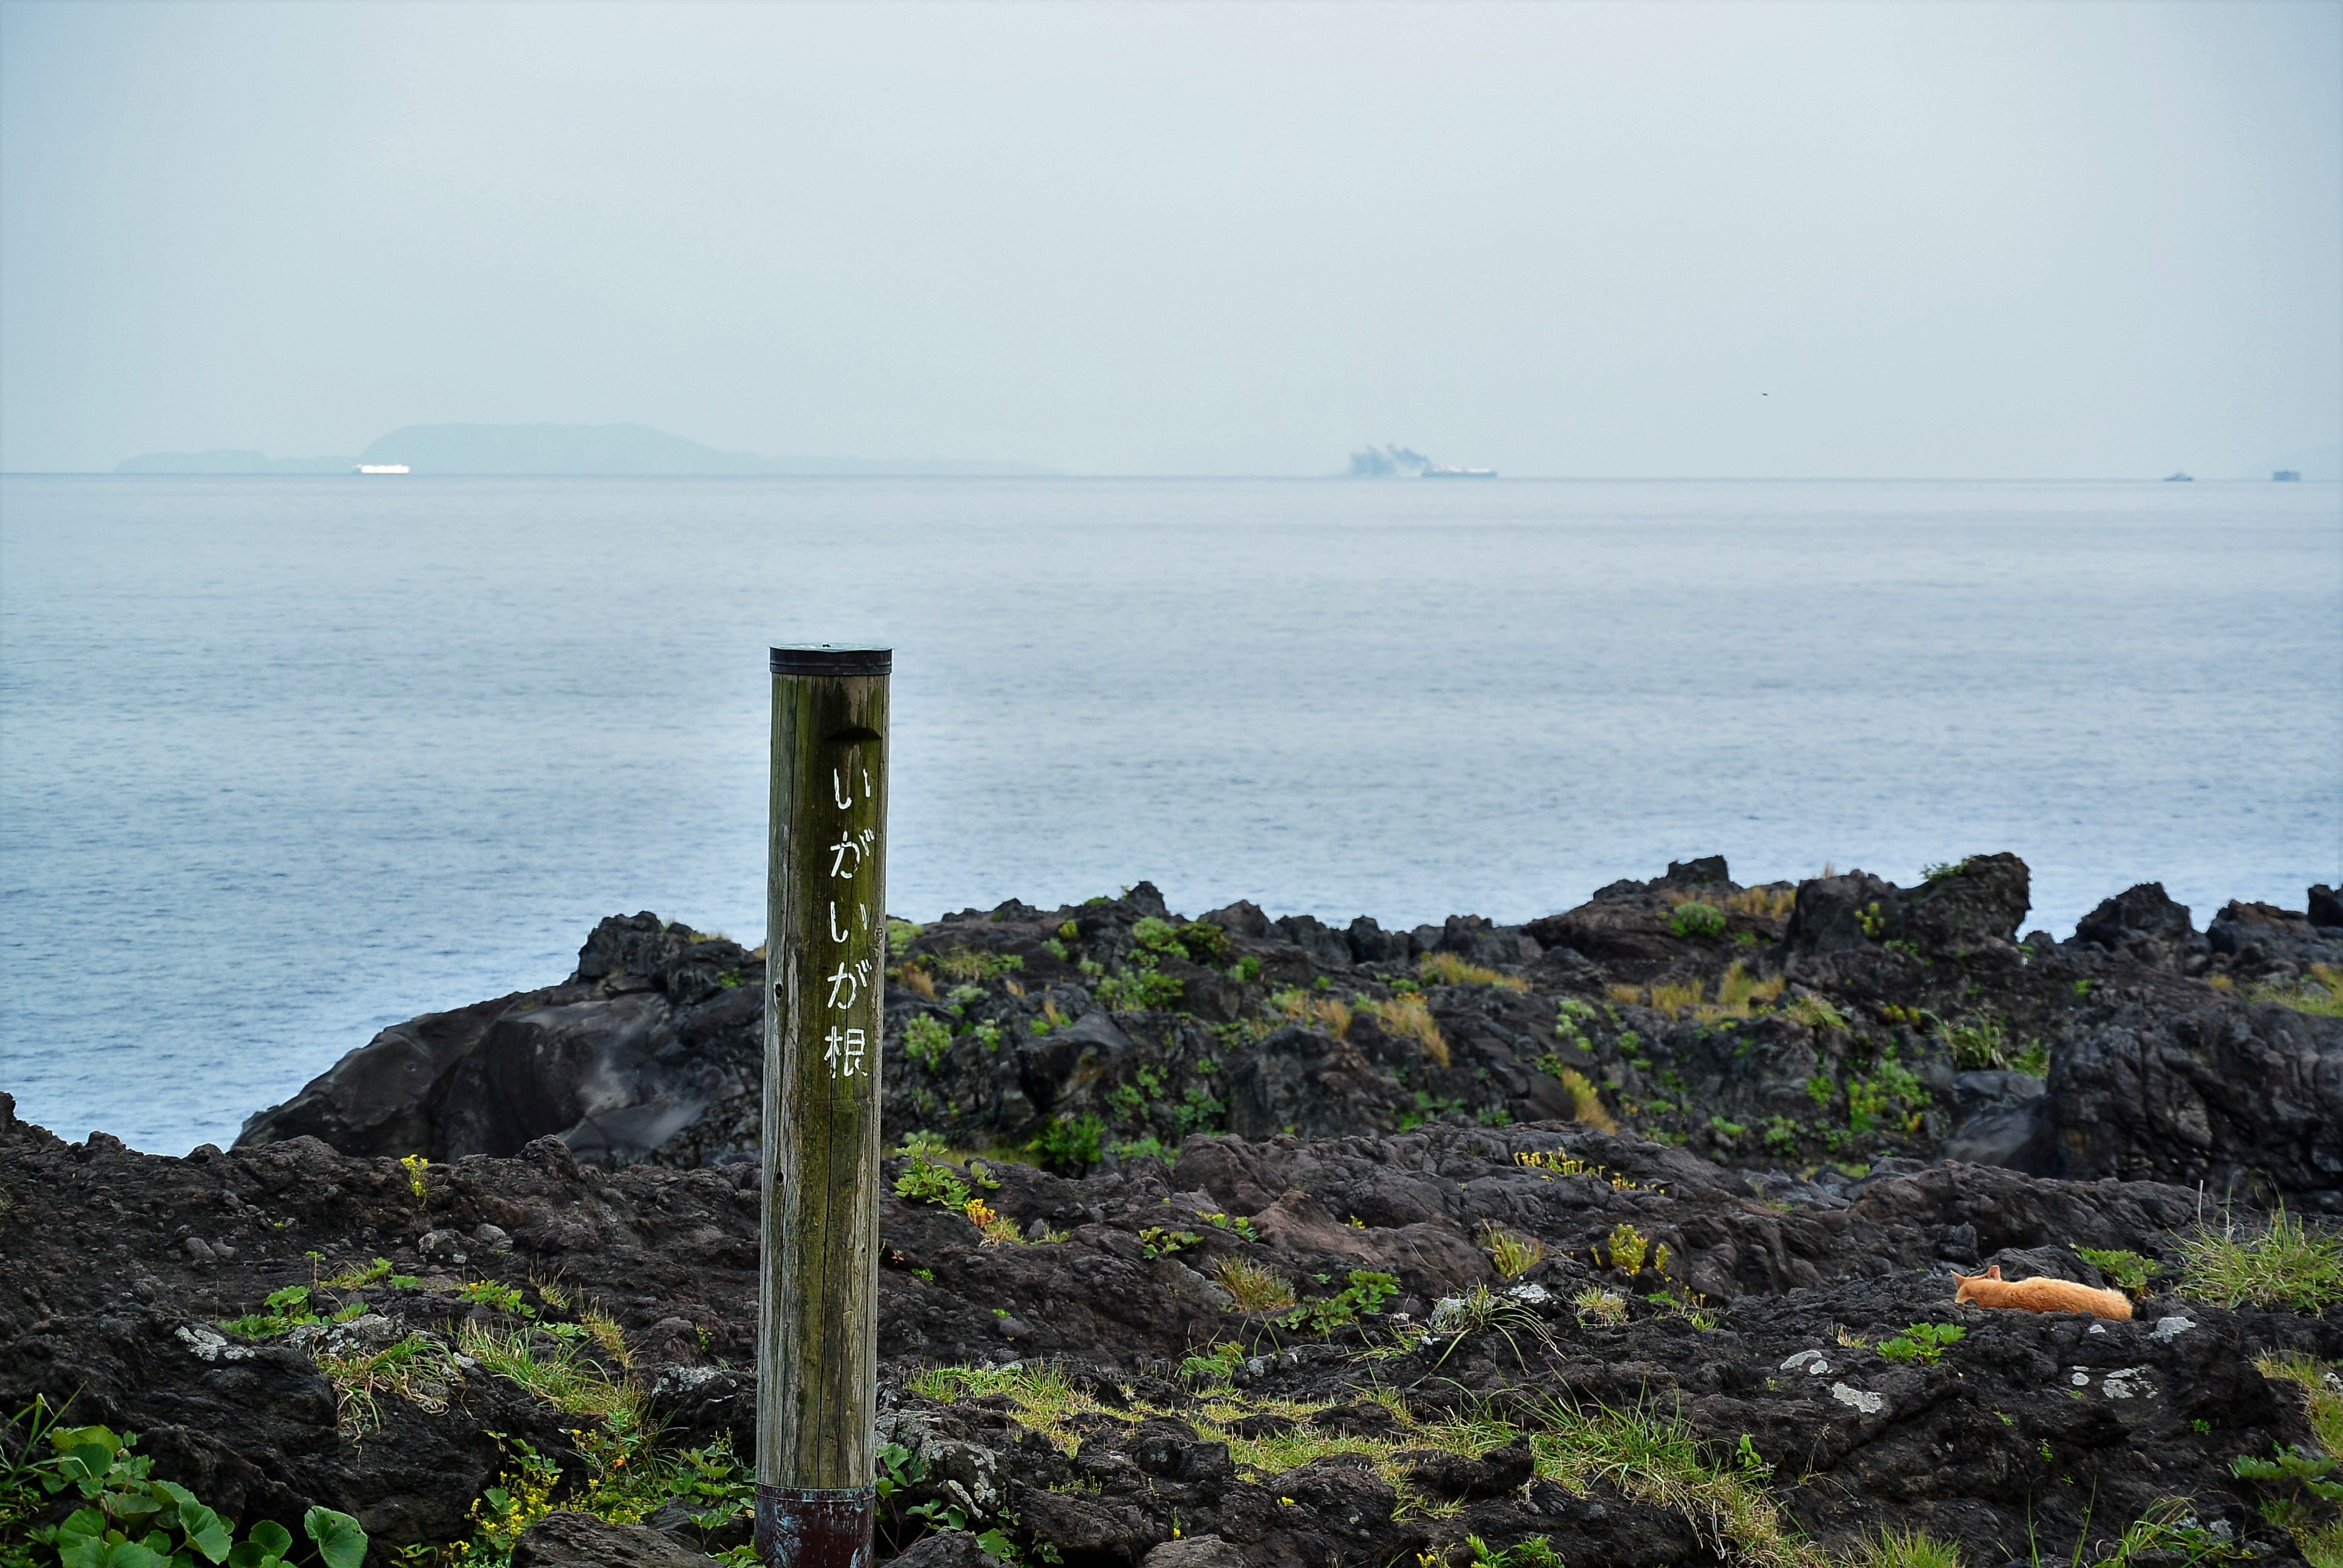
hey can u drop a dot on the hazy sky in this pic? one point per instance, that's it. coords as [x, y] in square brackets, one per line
[1650, 239]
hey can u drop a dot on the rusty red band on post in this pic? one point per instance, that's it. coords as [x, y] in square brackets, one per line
[815, 1527]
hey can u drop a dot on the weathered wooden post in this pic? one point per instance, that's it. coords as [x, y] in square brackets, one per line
[826, 939]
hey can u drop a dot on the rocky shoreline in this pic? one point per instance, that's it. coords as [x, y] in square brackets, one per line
[1624, 1236]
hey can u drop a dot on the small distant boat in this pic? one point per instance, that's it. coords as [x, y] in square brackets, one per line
[1437, 471]
[2179, 478]
[384, 469]
[2288, 476]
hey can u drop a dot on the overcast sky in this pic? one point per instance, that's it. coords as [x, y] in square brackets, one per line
[1575, 239]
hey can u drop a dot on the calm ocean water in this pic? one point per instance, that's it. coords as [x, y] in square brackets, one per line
[284, 761]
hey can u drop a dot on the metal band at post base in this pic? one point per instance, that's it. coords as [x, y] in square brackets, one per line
[815, 1527]
[830, 658]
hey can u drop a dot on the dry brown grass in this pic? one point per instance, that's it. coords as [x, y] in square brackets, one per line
[1586, 1101]
[917, 980]
[1774, 903]
[1450, 968]
[1676, 998]
[1329, 1013]
[1409, 1017]
[1252, 1287]
[1738, 992]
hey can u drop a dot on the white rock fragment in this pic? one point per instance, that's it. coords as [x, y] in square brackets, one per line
[2081, 1378]
[1530, 1293]
[1867, 1403]
[2169, 1329]
[1810, 1361]
[2128, 1384]
[206, 1345]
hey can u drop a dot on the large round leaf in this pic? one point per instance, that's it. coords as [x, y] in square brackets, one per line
[340, 1542]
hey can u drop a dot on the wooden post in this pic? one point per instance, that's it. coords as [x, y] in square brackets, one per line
[826, 945]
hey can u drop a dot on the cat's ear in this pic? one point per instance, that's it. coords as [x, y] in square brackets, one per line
[1993, 1272]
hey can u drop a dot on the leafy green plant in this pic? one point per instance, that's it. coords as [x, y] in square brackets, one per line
[1365, 1292]
[130, 1519]
[2281, 1262]
[2129, 1270]
[1141, 988]
[1245, 970]
[1216, 1366]
[1069, 1143]
[1530, 1551]
[1748, 1461]
[1198, 1111]
[1943, 869]
[1892, 1096]
[2311, 1474]
[1158, 1242]
[285, 1309]
[497, 1294]
[1923, 1342]
[926, 1180]
[925, 1041]
[1694, 918]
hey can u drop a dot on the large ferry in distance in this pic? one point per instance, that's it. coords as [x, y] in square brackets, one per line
[1400, 463]
[384, 469]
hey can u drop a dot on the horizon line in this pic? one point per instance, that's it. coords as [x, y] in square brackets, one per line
[1344, 477]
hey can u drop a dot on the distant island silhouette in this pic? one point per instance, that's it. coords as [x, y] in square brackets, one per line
[555, 450]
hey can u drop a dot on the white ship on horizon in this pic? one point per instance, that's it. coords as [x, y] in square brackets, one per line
[384, 469]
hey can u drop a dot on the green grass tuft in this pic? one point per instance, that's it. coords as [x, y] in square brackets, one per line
[2281, 1263]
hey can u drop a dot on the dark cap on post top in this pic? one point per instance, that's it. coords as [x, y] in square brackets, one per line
[831, 659]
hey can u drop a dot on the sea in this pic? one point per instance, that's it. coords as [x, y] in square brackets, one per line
[286, 759]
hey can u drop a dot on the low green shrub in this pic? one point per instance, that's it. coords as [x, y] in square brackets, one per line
[2129, 1270]
[925, 1041]
[1694, 918]
[1069, 1143]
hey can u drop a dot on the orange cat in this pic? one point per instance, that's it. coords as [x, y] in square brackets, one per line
[2039, 1295]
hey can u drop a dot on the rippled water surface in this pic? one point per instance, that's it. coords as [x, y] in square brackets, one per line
[283, 760]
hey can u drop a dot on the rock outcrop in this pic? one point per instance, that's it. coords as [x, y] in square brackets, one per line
[1772, 1029]
[1105, 1400]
